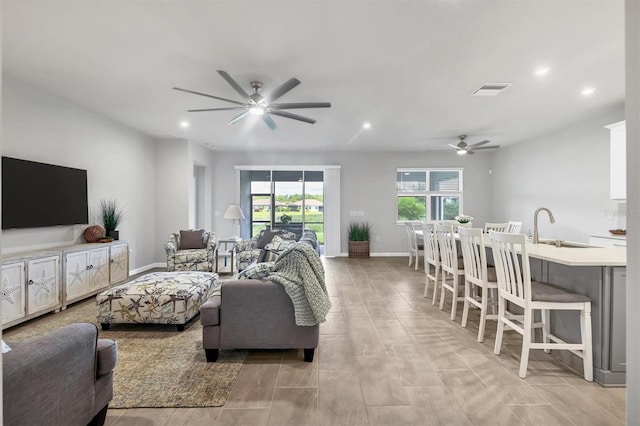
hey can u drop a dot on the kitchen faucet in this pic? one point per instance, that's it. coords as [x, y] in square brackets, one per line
[535, 223]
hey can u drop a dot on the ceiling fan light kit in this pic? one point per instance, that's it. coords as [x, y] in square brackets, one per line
[462, 148]
[259, 105]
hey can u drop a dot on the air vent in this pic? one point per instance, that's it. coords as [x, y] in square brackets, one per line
[490, 89]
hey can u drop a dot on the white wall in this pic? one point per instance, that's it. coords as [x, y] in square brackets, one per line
[173, 176]
[202, 162]
[368, 184]
[566, 171]
[120, 164]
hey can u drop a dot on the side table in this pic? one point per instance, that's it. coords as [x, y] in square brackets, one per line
[225, 254]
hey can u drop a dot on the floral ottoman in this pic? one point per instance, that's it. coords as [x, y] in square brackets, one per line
[156, 298]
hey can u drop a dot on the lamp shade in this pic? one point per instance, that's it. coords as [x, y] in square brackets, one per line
[233, 212]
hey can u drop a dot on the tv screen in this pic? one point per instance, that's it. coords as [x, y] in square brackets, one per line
[38, 194]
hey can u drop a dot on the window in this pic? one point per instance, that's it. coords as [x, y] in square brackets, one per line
[428, 194]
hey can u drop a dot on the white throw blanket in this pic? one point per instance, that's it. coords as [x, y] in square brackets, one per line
[301, 273]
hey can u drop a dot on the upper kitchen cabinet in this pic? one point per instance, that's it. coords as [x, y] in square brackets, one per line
[618, 160]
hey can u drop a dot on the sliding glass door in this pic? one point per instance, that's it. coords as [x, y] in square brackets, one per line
[282, 199]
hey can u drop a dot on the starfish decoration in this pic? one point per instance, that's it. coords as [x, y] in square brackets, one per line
[101, 271]
[77, 275]
[7, 290]
[43, 283]
[118, 263]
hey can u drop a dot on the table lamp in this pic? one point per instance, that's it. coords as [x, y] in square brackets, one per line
[234, 213]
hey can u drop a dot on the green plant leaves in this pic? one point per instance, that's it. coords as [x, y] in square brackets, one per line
[112, 216]
[359, 231]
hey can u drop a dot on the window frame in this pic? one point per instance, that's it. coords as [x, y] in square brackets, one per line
[427, 193]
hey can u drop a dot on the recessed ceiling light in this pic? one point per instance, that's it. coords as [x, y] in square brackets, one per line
[588, 91]
[366, 125]
[542, 71]
[184, 124]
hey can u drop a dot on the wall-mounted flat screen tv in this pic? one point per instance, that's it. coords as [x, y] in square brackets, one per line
[37, 194]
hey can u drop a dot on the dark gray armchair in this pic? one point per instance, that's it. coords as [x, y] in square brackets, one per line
[62, 378]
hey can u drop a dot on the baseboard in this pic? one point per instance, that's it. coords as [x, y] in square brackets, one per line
[147, 267]
[376, 255]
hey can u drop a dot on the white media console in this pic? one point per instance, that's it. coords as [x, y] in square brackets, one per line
[41, 281]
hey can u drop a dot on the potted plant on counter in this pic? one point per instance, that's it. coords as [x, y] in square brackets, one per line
[359, 239]
[112, 216]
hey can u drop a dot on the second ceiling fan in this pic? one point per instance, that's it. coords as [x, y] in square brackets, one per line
[258, 104]
[463, 148]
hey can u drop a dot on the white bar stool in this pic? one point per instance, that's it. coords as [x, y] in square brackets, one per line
[515, 286]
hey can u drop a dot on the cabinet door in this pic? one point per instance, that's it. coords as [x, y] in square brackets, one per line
[43, 284]
[13, 292]
[119, 263]
[99, 268]
[77, 276]
[618, 320]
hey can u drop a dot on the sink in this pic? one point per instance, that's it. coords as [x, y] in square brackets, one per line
[565, 244]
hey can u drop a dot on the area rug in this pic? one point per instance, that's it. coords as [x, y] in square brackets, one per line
[158, 366]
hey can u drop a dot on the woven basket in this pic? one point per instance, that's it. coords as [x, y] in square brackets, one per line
[358, 248]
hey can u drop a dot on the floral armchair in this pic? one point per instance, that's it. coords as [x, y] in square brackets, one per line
[250, 251]
[191, 250]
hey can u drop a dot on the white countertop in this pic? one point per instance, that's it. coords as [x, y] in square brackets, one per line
[571, 256]
[611, 236]
[587, 256]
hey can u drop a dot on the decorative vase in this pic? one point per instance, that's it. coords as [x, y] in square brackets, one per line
[466, 224]
[358, 248]
[114, 234]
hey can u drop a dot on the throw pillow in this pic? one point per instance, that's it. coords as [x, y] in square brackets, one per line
[286, 235]
[272, 250]
[192, 239]
[266, 237]
[6, 348]
[257, 271]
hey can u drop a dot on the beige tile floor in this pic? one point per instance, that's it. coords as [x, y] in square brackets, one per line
[388, 357]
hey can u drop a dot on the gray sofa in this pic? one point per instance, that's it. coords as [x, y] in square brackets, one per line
[253, 314]
[62, 378]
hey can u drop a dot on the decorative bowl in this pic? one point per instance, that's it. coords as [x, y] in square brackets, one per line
[618, 231]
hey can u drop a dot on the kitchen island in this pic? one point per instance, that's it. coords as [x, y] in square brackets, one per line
[600, 274]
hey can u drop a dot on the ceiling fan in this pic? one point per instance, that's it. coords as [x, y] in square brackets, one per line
[258, 104]
[463, 148]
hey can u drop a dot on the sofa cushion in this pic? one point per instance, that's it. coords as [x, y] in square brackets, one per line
[192, 239]
[257, 271]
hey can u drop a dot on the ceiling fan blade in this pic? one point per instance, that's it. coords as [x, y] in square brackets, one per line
[233, 84]
[281, 90]
[267, 119]
[487, 147]
[239, 117]
[301, 105]
[479, 143]
[208, 96]
[215, 109]
[454, 146]
[294, 116]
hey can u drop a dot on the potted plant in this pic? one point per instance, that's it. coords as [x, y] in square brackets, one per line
[464, 220]
[359, 239]
[112, 216]
[285, 218]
